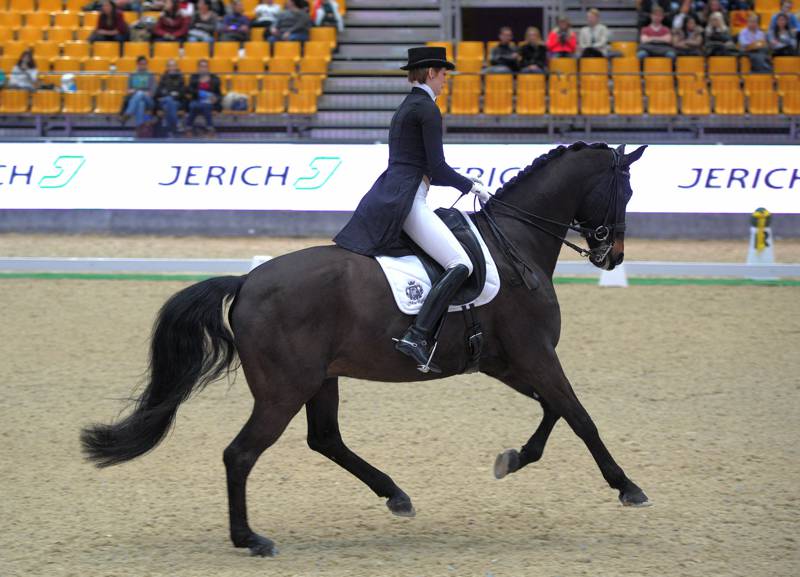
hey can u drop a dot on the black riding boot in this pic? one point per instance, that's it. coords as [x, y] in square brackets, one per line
[417, 340]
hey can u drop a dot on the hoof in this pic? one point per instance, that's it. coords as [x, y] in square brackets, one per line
[633, 496]
[401, 506]
[259, 546]
[505, 463]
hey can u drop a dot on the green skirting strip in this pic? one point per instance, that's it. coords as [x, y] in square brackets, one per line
[634, 281]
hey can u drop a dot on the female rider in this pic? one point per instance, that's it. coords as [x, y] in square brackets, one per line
[396, 202]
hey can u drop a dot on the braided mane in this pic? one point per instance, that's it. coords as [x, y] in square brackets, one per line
[545, 159]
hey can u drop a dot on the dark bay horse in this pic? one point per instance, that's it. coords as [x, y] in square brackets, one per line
[301, 321]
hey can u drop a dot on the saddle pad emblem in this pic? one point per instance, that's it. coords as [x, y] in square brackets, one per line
[409, 282]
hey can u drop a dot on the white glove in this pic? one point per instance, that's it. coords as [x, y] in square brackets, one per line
[480, 190]
[475, 179]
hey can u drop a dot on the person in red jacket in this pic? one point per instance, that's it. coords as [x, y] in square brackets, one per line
[172, 26]
[111, 26]
[561, 42]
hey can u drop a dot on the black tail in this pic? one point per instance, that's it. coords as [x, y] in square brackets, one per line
[190, 347]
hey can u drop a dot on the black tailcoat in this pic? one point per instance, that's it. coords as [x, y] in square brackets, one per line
[415, 149]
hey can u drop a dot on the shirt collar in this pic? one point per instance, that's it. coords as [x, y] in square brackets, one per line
[426, 88]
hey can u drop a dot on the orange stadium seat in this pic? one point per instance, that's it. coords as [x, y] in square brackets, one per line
[71, 20]
[106, 50]
[126, 64]
[498, 98]
[657, 65]
[66, 65]
[257, 50]
[90, 83]
[628, 95]
[594, 66]
[159, 65]
[467, 83]
[563, 91]
[277, 83]
[202, 49]
[626, 49]
[695, 101]
[722, 65]
[317, 50]
[115, 82]
[6, 35]
[464, 102]
[83, 33]
[46, 51]
[786, 64]
[563, 66]
[74, 5]
[245, 84]
[530, 94]
[594, 95]
[470, 50]
[50, 78]
[768, 6]
[221, 65]
[167, 49]
[442, 103]
[77, 103]
[250, 65]
[728, 96]
[14, 101]
[46, 102]
[302, 103]
[108, 102]
[60, 35]
[310, 65]
[324, 34]
[50, 5]
[14, 49]
[468, 65]
[30, 35]
[97, 65]
[76, 50]
[283, 66]
[790, 101]
[760, 92]
[21, 6]
[37, 19]
[11, 20]
[270, 102]
[660, 92]
[309, 83]
[229, 50]
[690, 72]
[286, 50]
[134, 49]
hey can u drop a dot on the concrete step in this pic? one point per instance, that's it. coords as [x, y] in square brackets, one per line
[366, 85]
[366, 66]
[392, 6]
[602, 6]
[393, 18]
[612, 19]
[627, 34]
[369, 119]
[371, 52]
[361, 102]
[404, 36]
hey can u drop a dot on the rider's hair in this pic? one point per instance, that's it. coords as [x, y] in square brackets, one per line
[420, 74]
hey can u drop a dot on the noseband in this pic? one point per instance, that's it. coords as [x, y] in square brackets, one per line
[605, 232]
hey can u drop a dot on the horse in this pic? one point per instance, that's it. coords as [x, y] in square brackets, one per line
[300, 321]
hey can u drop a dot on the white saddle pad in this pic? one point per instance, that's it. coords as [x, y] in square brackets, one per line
[410, 283]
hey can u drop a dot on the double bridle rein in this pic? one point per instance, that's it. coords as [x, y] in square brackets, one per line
[604, 233]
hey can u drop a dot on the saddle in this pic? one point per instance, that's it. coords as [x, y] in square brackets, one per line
[456, 221]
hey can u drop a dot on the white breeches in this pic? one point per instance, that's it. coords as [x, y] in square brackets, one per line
[432, 235]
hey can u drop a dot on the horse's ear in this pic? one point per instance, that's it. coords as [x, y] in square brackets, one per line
[633, 156]
[621, 150]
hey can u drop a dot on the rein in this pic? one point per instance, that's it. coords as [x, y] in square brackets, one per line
[602, 233]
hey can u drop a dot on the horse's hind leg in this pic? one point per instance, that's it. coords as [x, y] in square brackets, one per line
[512, 460]
[324, 437]
[263, 428]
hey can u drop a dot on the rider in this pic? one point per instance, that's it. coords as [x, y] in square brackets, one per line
[397, 201]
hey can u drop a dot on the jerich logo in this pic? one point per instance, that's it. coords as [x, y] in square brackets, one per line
[322, 168]
[67, 167]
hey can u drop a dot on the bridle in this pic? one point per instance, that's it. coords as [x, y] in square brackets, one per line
[604, 234]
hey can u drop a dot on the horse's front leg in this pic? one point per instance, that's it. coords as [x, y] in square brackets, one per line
[556, 392]
[512, 460]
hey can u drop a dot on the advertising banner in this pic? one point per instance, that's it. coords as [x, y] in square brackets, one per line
[333, 177]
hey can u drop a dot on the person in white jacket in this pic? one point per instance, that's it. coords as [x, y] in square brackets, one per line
[593, 39]
[24, 75]
[327, 14]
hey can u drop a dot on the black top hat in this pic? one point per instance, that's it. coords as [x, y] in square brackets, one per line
[427, 57]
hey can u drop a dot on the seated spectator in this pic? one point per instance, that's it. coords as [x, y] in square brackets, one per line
[714, 6]
[786, 10]
[235, 26]
[504, 58]
[561, 41]
[172, 26]
[687, 8]
[533, 53]
[204, 95]
[139, 101]
[293, 23]
[688, 40]
[719, 41]
[266, 14]
[111, 26]
[655, 39]
[753, 42]
[782, 36]
[593, 38]
[170, 95]
[186, 8]
[645, 10]
[24, 75]
[204, 23]
[326, 13]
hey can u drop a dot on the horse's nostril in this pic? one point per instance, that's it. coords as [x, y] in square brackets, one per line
[620, 258]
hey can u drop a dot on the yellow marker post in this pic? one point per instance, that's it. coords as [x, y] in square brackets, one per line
[762, 241]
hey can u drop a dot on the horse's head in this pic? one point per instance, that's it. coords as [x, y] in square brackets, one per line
[602, 213]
